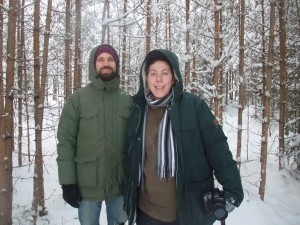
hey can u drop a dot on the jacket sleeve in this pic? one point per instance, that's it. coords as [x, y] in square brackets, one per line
[67, 138]
[219, 155]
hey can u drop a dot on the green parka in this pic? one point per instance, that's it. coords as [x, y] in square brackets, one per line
[91, 137]
[202, 151]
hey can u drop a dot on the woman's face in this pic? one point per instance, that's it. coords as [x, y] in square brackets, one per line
[160, 79]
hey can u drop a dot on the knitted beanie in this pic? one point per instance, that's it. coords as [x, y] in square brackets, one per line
[108, 49]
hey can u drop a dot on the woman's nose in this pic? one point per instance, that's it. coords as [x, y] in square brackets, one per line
[158, 77]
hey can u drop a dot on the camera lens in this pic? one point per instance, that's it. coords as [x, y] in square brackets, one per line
[214, 202]
[220, 213]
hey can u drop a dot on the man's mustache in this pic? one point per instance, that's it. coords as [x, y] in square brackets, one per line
[106, 67]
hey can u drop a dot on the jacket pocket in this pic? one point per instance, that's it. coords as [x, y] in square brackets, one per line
[87, 167]
[89, 122]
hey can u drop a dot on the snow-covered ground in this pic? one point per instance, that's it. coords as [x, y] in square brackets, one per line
[281, 205]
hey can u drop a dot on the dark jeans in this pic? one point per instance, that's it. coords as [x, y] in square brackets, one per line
[145, 219]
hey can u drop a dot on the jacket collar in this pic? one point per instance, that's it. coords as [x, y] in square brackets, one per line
[111, 85]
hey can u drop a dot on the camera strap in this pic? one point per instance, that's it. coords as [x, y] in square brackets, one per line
[222, 222]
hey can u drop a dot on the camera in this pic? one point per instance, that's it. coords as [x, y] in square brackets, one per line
[214, 202]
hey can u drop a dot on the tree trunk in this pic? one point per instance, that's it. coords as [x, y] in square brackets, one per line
[221, 85]
[6, 155]
[20, 53]
[217, 55]
[3, 184]
[266, 104]
[124, 45]
[282, 65]
[67, 85]
[187, 65]
[38, 203]
[38, 139]
[108, 27]
[77, 58]
[105, 9]
[168, 28]
[26, 100]
[2, 112]
[148, 26]
[241, 85]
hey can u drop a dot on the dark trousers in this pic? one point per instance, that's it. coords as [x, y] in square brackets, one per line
[145, 219]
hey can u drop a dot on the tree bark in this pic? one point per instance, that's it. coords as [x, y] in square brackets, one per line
[67, 85]
[187, 65]
[124, 47]
[217, 56]
[266, 104]
[282, 71]
[77, 58]
[105, 9]
[3, 184]
[38, 127]
[39, 100]
[148, 26]
[6, 155]
[20, 69]
[241, 85]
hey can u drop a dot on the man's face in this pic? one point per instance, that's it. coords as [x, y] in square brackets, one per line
[106, 66]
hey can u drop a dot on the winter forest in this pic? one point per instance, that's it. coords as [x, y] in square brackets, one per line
[242, 54]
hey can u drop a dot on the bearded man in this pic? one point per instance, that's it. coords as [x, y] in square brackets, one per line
[91, 138]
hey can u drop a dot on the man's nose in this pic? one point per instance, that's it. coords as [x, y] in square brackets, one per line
[105, 62]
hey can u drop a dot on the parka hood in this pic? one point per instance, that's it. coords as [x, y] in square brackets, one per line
[173, 60]
[93, 76]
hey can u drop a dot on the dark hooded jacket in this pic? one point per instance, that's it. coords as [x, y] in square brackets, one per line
[202, 151]
[91, 137]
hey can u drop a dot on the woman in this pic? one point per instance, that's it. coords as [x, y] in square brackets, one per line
[175, 146]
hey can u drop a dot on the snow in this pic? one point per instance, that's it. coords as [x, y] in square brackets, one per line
[281, 205]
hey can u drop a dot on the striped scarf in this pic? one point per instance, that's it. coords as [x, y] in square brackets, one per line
[165, 154]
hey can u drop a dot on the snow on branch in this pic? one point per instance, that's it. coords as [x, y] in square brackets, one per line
[111, 21]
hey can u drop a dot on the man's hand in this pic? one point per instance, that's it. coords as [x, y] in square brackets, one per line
[71, 194]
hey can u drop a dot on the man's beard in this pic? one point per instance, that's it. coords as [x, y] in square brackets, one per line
[107, 76]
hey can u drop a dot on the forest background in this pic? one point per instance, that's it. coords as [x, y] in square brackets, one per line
[242, 54]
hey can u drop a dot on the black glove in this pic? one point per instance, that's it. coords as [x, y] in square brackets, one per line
[71, 194]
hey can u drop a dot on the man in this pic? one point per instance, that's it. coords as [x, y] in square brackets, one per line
[91, 137]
